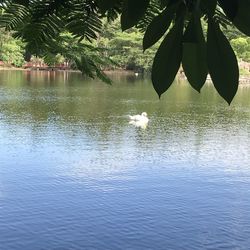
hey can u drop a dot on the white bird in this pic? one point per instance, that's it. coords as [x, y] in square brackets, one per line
[139, 120]
[142, 117]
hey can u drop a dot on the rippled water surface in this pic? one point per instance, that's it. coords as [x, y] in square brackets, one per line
[74, 174]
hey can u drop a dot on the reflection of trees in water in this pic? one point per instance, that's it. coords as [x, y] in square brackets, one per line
[79, 108]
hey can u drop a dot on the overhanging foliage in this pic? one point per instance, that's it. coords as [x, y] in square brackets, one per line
[176, 22]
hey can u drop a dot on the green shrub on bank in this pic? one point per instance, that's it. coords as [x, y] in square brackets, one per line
[11, 50]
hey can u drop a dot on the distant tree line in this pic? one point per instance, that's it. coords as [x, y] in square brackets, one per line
[123, 48]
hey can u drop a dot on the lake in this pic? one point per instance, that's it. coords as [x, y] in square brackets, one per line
[74, 174]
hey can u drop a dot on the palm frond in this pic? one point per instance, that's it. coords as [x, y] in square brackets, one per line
[153, 10]
[14, 16]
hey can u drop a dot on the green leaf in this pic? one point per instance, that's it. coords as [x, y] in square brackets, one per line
[194, 60]
[209, 6]
[21, 2]
[159, 26]
[102, 76]
[222, 62]
[230, 7]
[105, 5]
[133, 11]
[164, 3]
[242, 19]
[167, 59]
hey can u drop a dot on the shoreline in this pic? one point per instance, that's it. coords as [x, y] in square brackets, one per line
[244, 79]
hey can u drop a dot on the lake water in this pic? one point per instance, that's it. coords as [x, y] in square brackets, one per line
[74, 174]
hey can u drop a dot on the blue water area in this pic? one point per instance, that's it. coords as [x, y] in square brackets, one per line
[74, 174]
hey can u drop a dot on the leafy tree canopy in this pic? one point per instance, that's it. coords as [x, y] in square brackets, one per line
[176, 23]
[11, 50]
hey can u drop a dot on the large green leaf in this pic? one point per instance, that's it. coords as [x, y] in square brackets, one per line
[164, 3]
[133, 11]
[105, 5]
[209, 6]
[167, 59]
[222, 62]
[194, 53]
[230, 7]
[242, 18]
[159, 26]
